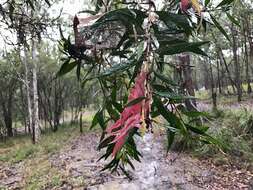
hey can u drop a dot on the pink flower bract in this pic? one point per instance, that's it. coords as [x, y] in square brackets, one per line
[131, 116]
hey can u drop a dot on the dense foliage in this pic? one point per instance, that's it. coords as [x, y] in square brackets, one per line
[128, 57]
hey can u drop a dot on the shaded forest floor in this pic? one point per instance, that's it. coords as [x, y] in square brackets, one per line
[68, 160]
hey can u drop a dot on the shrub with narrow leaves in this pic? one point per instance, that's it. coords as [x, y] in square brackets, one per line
[141, 35]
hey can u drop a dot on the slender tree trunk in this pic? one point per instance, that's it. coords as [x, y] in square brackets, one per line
[6, 101]
[81, 122]
[205, 74]
[223, 60]
[23, 104]
[36, 128]
[248, 33]
[236, 65]
[28, 96]
[214, 94]
[249, 89]
[7, 115]
[188, 82]
[218, 76]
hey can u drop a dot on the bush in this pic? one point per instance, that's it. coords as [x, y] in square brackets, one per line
[234, 129]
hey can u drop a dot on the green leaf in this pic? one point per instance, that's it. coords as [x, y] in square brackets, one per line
[119, 68]
[114, 93]
[210, 140]
[127, 17]
[108, 151]
[118, 106]
[225, 2]
[112, 112]
[170, 19]
[88, 11]
[116, 69]
[135, 101]
[165, 79]
[105, 142]
[175, 46]
[217, 24]
[193, 114]
[66, 67]
[207, 2]
[98, 119]
[173, 120]
[173, 96]
[161, 88]
[232, 19]
[201, 130]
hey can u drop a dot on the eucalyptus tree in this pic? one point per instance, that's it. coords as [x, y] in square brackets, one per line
[28, 21]
[8, 87]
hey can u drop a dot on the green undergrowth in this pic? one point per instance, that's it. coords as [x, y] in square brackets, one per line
[19, 148]
[222, 99]
[225, 97]
[37, 169]
[234, 129]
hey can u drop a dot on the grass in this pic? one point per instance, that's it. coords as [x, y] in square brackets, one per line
[40, 175]
[234, 129]
[206, 95]
[20, 148]
[37, 170]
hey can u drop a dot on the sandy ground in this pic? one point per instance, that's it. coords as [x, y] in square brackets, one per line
[156, 171]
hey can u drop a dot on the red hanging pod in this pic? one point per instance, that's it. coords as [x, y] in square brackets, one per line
[131, 116]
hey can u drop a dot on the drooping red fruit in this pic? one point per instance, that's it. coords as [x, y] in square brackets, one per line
[131, 116]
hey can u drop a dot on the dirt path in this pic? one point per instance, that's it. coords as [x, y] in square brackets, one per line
[78, 161]
[156, 171]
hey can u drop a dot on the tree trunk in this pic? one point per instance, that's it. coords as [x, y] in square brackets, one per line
[81, 122]
[236, 64]
[248, 33]
[6, 100]
[35, 118]
[214, 94]
[23, 106]
[7, 114]
[27, 85]
[223, 60]
[218, 76]
[188, 82]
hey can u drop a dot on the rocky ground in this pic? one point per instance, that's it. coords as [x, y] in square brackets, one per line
[78, 160]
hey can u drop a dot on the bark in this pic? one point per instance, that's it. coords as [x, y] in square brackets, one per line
[188, 82]
[206, 75]
[236, 64]
[214, 94]
[28, 96]
[6, 100]
[23, 108]
[218, 76]
[223, 60]
[35, 116]
[57, 104]
[81, 122]
[249, 58]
